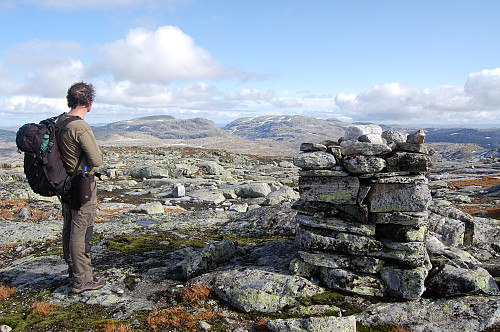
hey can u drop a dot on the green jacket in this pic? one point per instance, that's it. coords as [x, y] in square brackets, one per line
[78, 139]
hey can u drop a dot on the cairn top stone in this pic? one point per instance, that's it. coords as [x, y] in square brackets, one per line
[354, 132]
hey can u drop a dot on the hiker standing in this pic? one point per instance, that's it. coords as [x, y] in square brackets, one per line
[77, 144]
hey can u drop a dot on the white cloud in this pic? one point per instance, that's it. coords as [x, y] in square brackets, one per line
[166, 54]
[484, 87]
[478, 102]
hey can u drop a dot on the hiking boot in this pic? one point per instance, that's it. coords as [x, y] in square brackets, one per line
[91, 285]
[95, 276]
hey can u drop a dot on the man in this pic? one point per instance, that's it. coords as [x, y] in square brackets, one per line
[77, 142]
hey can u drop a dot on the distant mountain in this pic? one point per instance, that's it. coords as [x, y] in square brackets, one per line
[290, 129]
[162, 127]
[486, 138]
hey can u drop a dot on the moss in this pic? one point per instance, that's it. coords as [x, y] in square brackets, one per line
[325, 298]
[18, 314]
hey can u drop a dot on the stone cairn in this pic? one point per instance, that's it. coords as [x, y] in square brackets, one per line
[363, 212]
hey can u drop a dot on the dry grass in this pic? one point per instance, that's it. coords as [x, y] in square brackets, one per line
[194, 293]
[178, 317]
[6, 291]
[42, 308]
[9, 207]
[261, 324]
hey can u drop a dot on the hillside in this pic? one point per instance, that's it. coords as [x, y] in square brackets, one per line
[289, 129]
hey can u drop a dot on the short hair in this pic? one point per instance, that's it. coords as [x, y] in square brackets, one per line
[80, 94]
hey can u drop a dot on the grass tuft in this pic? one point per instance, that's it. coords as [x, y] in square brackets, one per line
[43, 308]
[6, 291]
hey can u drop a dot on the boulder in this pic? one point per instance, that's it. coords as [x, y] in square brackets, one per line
[348, 281]
[404, 283]
[208, 258]
[314, 160]
[149, 208]
[452, 280]
[368, 149]
[309, 147]
[394, 136]
[334, 190]
[257, 290]
[359, 164]
[316, 324]
[354, 132]
[254, 190]
[399, 194]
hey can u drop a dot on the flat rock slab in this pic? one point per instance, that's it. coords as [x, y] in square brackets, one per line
[257, 290]
[445, 315]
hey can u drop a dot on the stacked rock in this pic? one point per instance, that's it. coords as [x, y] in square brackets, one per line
[362, 212]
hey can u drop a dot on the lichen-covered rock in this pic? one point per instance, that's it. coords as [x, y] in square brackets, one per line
[313, 324]
[208, 258]
[417, 137]
[148, 172]
[335, 190]
[336, 224]
[254, 190]
[211, 167]
[309, 147]
[314, 160]
[450, 231]
[470, 313]
[400, 218]
[363, 264]
[337, 241]
[406, 254]
[404, 283]
[412, 162]
[149, 208]
[257, 290]
[359, 164]
[348, 281]
[355, 131]
[455, 281]
[402, 233]
[399, 194]
[364, 148]
[394, 136]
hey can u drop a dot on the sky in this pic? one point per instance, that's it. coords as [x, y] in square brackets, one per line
[433, 62]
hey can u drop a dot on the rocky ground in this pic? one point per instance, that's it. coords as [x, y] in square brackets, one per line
[192, 239]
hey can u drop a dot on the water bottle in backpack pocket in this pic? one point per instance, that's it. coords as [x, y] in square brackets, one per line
[82, 186]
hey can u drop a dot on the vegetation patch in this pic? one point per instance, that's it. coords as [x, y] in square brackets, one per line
[6, 291]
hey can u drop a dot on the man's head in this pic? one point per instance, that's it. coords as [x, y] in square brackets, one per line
[80, 94]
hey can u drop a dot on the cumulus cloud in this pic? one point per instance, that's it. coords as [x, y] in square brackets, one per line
[484, 87]
[147, 95]
[166, 54]
[478, 101]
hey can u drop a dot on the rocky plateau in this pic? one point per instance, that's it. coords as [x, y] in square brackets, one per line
[199, 233]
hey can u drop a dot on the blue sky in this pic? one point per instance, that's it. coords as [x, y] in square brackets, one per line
[392, 62]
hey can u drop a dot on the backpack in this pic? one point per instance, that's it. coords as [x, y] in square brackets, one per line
[43, 166]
